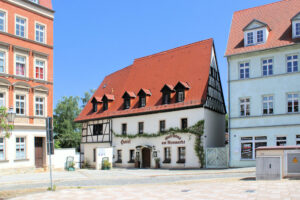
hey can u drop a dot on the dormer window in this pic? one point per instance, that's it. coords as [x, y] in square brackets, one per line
[105, 105]
[127, 97]
[180, 89]
[143, 93]
[256, 32]
[166, 93]
[105, 101]
[95, 106]
[95, 102]
[296, 25]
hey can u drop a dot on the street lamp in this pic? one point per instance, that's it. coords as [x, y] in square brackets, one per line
[11, 114]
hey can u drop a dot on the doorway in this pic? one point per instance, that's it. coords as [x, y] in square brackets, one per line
[146, 156]
[39, 151]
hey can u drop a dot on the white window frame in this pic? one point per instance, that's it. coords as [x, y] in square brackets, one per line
[19, 144]
[5, 19]
[285, 140]
[36, 65]
[25, 64]
[244, 67]
[20, 101]
[44, 32]
[292, 61]
[2, 98]
[4, 60]
[268, 102]
[38, 103]
[253, 141]
[293, 101]
[167, 153]
[243, 101]
[2, 145]
[35, 1]
[179, 153]
[255, 38]
[25, 26]
[294, 25]
[267, 64]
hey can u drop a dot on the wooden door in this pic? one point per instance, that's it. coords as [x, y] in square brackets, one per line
[38, 146]
[146, 157]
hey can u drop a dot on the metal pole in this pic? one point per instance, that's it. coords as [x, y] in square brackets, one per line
[51, 183]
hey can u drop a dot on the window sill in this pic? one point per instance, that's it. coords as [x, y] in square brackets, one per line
[180, 161]
[4, 161]
[20, 160]
[167, 161]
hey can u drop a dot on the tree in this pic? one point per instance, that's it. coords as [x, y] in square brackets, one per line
[67, 132]
[5, 127]
[87, 96]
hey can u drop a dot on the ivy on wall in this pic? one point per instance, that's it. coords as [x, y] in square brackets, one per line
[197, 130]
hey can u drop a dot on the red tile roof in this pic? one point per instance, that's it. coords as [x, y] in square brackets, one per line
[190, 63]
[46, 3]
[110, 97]
[130, 94]
[276, 15]
[146, 91]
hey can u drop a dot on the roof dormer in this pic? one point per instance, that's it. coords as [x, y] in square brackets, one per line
[127, 96]
[95, 102]
[143, 95]
[166, 93]
[256, 32]
[296, 26]
[106, 99]
[180, 89]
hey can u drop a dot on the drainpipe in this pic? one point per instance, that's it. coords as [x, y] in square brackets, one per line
[229, 112]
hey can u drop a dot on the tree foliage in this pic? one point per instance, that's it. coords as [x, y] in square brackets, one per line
[67, 132]
[5, 127]
[87, 95]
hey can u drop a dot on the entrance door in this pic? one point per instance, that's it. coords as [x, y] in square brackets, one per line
[146, 157]
[38, 146]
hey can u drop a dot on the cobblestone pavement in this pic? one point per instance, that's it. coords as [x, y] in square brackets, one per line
[205, 189]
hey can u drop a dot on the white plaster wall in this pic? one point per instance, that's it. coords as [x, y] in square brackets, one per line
[10, 146]
[214, 129]
[88, 150]
[151, 121]
[60, 157]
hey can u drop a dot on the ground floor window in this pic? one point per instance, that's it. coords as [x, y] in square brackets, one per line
[167, 155]
[20, 148]
[249, 144]
[119, 156]
[297, 139]
[181, 155]
[281, 141]
[2, 149]
[131, 156]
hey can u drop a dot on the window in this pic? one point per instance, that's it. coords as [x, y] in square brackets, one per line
[95, 106]
[2, 62]
[39, 106]
[166, 98]
[293, 103]
[180, 96]
[2, 21]
[249, 144]
[181, 155]
[2, 99]
[260, 36]
[245, 106]
[167, 154]
[297, 29]
[21, 27]
[20, 148]
[297, 139]
[40, 33]
[124, 129]
[292, 63]
[2, 149]
[281, 141]
[39, 69]
[20, 65]
[105, 105]
[126, 103]
[268, 105]
[244, 70]
[267, 66]
[119, 156]
[94, 155]
[141, 127]
[162, 126]
[184, 123]
[20, 104]
[142, 101]
[98, 129]
[250, 39]
[34, 1]
[131, 156]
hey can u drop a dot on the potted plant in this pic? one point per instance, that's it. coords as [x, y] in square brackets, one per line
[157, 163]
[106, 165]
[71, 166]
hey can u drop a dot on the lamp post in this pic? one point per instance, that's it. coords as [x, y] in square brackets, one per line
[11, 114]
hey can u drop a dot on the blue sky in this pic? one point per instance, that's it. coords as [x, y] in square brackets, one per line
[93, 38]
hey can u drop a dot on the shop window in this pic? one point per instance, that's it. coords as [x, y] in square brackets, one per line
[98, 129]
[281, 141]
[184, 123]
[124, 129]
[181, 155]
[162, 126]
[249, 144]
[141, 127]
[167, 155]
[298, 140]
[131, 156]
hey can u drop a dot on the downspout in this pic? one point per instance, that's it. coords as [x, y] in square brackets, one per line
[229, 112]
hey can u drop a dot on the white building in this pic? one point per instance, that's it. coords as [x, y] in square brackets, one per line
[263, 55]
[134, 108]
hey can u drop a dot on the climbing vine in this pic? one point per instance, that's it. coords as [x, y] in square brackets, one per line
[197, 130]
